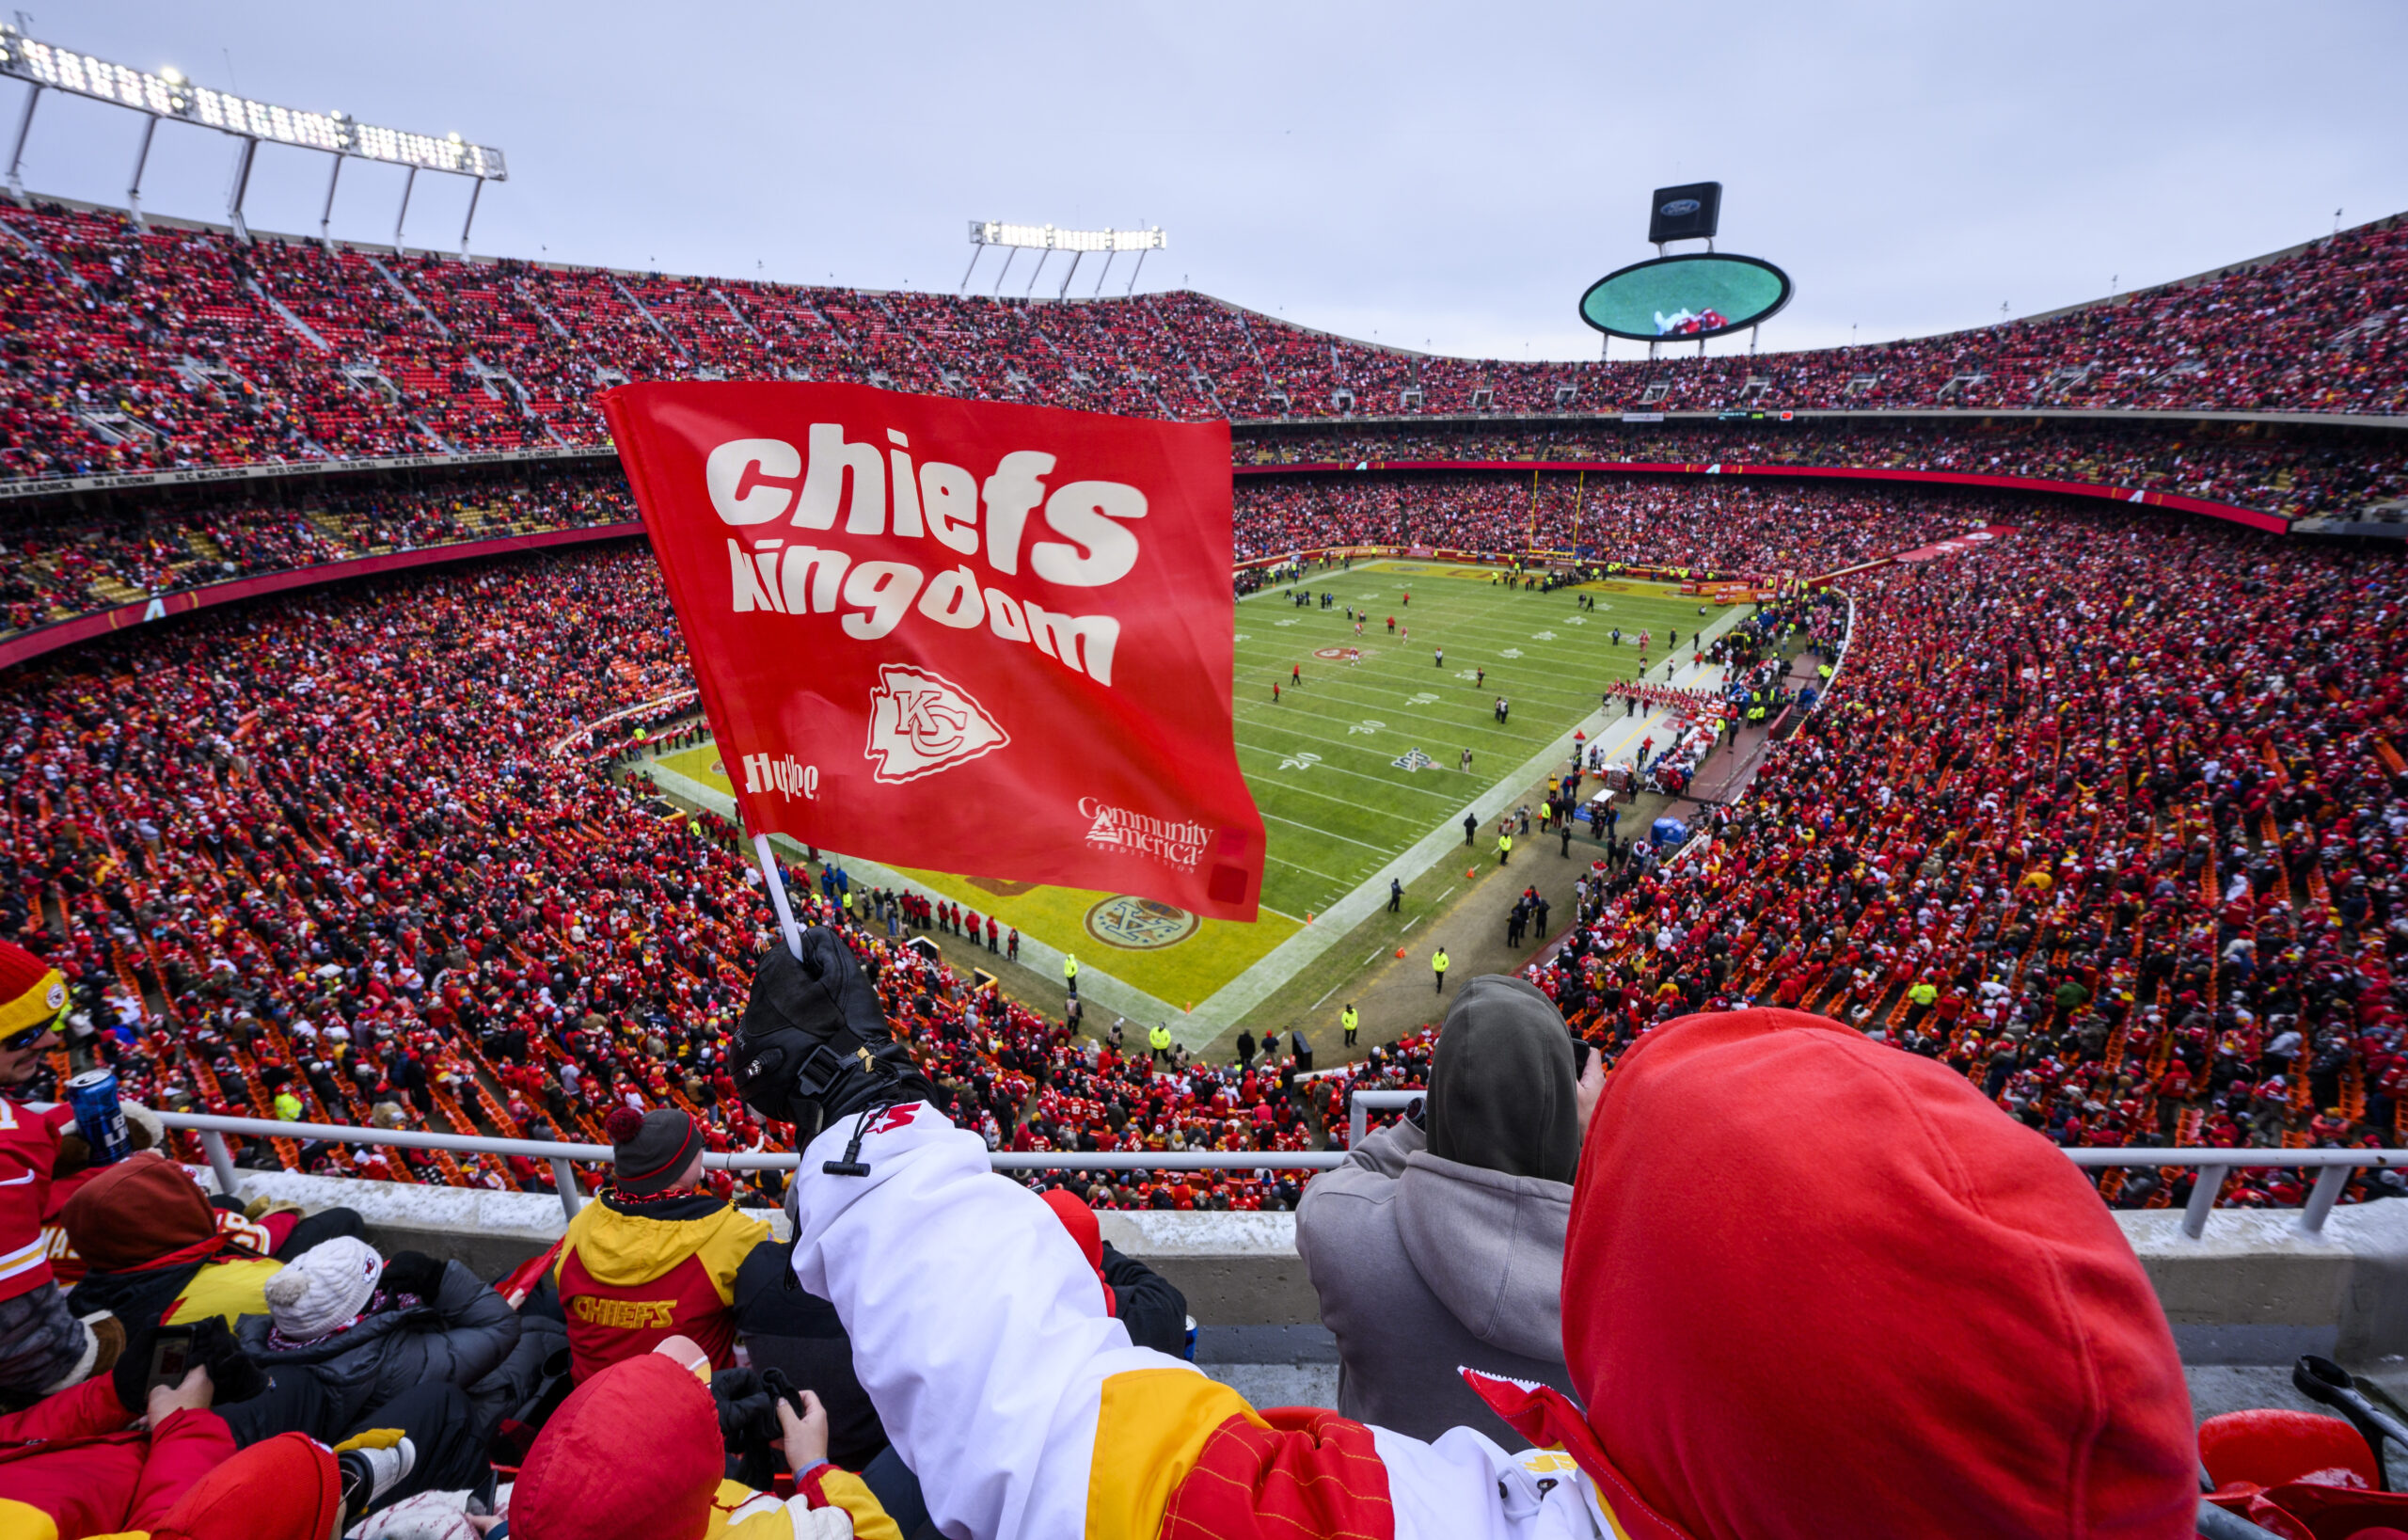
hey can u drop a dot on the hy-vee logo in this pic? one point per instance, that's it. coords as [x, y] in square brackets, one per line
[921, 722]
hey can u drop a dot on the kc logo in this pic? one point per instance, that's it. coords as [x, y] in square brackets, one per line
[921, 722]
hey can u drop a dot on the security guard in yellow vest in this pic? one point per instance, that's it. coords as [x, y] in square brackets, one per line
[1158, 1038]
[1350, 1019]
[1071, 972]
[1438, 966]
[1921, 995]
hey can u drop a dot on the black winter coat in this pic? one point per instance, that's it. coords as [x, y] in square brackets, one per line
[459, 1338]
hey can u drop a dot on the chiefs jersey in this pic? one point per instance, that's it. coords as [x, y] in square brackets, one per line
[633, 1272]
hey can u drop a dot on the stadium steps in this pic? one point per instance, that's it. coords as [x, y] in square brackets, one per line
[644, 312]
[285, 313]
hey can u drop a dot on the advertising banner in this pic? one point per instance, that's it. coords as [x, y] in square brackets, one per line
[960, 636]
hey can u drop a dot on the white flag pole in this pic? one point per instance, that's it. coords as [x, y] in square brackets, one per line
[778, 895]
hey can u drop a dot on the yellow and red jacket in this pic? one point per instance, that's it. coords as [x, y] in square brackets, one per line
[634, 1271]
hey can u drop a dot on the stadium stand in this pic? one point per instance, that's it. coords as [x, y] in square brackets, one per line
[173, 836]
[2099, 823]
[1298, 489]
[180, 345]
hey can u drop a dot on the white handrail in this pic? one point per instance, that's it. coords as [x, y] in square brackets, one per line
[213, 1130]
[2333, 1166]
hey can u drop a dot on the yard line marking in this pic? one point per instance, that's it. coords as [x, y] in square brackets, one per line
[1410, 924]
[1376, 816]
[1306, 870]
[1367, 962]
[1382, 851]
[1442, 898]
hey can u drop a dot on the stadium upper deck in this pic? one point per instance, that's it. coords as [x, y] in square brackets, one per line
[125, 349]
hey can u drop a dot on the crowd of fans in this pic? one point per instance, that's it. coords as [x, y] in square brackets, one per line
[2299, 472]
[61, 564]
[327, 862]
[2105, 816]
[131, 348]
[1732, 525]
[2103, 820]
[324, 860]
[64, 563]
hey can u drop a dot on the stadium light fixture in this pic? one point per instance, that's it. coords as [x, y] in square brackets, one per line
[1046, 239]
[168, 94]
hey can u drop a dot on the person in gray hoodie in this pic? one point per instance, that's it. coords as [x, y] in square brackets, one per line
[1442, 1246]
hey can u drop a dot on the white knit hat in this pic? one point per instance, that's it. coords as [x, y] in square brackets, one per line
[323, 1288]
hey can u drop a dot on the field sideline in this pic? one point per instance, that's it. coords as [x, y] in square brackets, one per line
[1327, 762]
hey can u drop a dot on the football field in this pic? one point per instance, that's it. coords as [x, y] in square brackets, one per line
[1354, 765]
[1362, 760]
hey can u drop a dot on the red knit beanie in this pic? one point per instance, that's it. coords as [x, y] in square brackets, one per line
[32, 992]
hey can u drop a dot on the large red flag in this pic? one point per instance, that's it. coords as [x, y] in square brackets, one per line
[959, 635]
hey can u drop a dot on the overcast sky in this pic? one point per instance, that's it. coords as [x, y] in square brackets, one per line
[1441, 176]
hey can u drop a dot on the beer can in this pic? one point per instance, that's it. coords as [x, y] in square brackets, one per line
[92, 1095]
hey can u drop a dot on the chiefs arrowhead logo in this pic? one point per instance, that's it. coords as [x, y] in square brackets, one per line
[921, 722]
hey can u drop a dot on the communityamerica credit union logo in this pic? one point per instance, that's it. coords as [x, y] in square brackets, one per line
[921, 722]
[1171, 841]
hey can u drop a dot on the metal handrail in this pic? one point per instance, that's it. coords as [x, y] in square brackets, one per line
[213, 1130]
[2333, 1166]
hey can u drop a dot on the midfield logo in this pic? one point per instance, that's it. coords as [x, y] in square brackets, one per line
[921, 722]
[1414, 760]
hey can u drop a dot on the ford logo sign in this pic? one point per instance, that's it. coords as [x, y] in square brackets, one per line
[1679, 208]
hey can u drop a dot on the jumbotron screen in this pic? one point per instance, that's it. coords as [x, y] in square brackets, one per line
[1686, 297]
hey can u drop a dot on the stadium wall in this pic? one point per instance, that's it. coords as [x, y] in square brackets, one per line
[2253, 1290]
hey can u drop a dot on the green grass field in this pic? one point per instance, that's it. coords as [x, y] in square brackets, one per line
[1325, 763]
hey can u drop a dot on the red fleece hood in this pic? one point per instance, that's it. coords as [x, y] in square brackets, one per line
[1813, 1285]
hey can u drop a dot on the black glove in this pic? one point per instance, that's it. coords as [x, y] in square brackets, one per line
[414, 1272]
[744, 1404]
[236, 1374]
[748, 1420]
[235, 1377]
[813, 1043]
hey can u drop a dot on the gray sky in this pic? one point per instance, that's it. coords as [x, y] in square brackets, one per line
[1448, 176]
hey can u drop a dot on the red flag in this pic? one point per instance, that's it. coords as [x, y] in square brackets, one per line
[957, 635]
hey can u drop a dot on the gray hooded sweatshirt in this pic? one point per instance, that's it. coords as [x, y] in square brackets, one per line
[1444, 1250]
